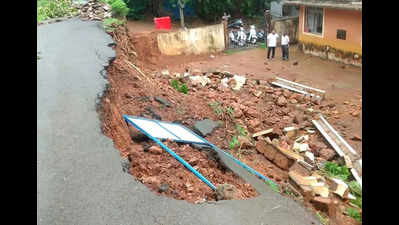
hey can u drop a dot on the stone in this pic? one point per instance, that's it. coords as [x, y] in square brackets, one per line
[309, 157]
[165, 72]
[321, 203]
[253, 125]
[286, 93]
[226, 192]
[281, 101]
[293, 101]
[274, 155]
[327, 154]
[155, 150]
[162, 101]
[205, 127]
[295, 63]
[355, 113]
[125, 165]
[164, 187]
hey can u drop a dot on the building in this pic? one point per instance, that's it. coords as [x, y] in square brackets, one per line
[330, 29]
[279, 10]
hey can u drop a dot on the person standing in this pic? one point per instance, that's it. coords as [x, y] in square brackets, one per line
[285, 40]
[272, 42]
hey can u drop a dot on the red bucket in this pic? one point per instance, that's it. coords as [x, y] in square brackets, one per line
[163, 23]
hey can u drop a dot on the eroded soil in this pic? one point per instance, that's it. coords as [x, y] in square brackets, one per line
[132, 93]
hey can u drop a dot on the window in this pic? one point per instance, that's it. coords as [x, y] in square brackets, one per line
[341, 34]
[314, 20]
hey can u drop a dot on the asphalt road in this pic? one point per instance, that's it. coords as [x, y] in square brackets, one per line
[79, 174]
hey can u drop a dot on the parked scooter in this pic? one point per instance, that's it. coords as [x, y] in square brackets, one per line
[252, 37]
[237, 24]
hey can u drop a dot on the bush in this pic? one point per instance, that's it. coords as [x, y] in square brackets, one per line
[48, 9]
[334, 170]
[119, 8]
[137, 8]
[111, 23]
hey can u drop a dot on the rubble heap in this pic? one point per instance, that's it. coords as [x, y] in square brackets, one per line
[94, 10]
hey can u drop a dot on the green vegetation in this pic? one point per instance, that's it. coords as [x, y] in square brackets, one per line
[180, 87]
[273, 186]
[233, 142]
[262, 45]
[111, 23]
[322, 219]
[48, 9]
[334, 170]
[356, 190]
[241, 130]
[221, 111]
[355, 214]
[119, 8]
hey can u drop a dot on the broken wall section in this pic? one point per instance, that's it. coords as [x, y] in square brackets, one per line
[202, 40]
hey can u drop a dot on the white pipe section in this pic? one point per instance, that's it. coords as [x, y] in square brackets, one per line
[324, 133]
[339, 137]
[301, 85]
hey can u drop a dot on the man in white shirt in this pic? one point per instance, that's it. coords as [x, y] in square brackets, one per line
[272, 42]
[285, 40]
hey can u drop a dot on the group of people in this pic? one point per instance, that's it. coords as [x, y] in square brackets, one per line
[272, 43]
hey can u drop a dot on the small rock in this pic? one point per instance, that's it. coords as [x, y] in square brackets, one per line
[125, 165]
[281, 101]
[327, 154]
[212, 56]
[205, 127]
[286, 93]
[165, 72]
[356, 138]
[155, 150]
[162, 101]
[355, 113]
[293, 101]
[164, 187]
[295, 63]
[226, 192]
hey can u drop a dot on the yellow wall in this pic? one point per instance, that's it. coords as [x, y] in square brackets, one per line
[334, 19]
[192, 41]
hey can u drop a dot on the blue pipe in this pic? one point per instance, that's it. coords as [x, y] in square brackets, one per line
[176, 156]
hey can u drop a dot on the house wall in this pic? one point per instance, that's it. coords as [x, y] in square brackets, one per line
[334, 19]
[208, 39]
[327, 45]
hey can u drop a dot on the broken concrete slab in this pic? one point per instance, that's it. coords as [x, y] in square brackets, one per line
[264, 132]
[162, 101]
[291, 132]
[240, 81]
[203, 80]
[205, 127]
[339, 187]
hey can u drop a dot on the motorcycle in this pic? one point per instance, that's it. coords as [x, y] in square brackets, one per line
[237, 24]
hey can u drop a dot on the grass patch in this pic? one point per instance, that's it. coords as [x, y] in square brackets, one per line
[111, 23]
[273, 186]
[356, 190]
[180, 87]
[355, 214]
[262, 45]
[322, 219]
[48, 9]
[334, 170]
[233, 142]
